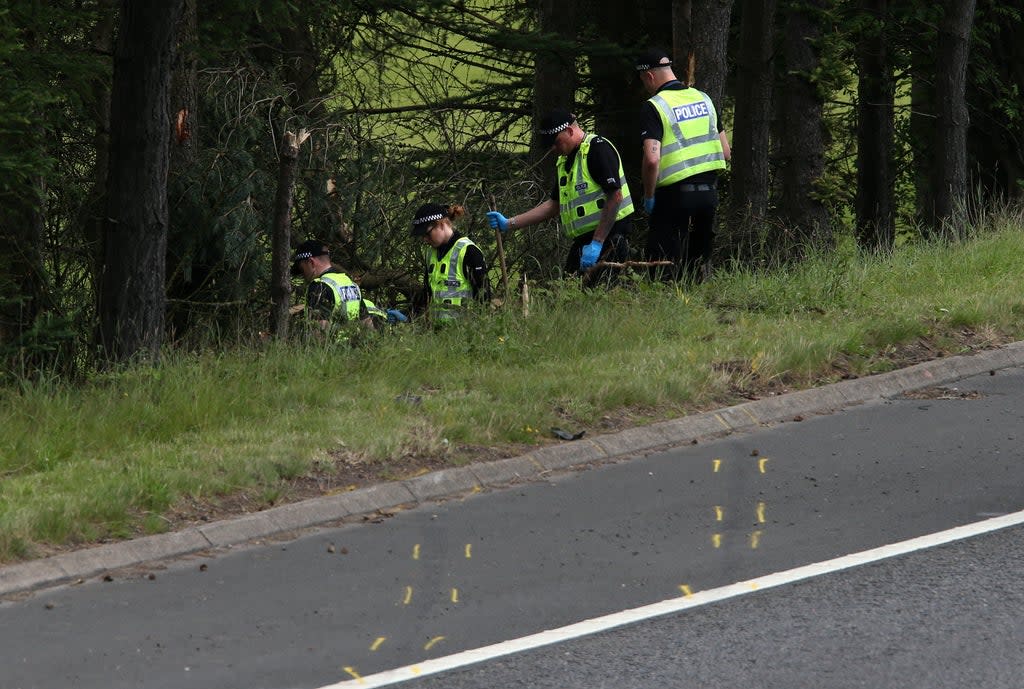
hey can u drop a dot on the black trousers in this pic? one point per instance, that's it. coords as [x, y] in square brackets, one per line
[682, 227]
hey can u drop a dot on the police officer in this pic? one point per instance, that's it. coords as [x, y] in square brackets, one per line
[684, 147]
[332, 298]
[455, 273]
[591, 194]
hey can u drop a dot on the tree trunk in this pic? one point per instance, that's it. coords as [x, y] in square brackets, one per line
[281, 232]
[682, 28]
[184, 94]
[802, 144]
[995, 153]
[90, 218]
[554, 82]
[132, 300]
[875, 217]
[950, 89]
[301, 65]
[709, 45]
[24, 285]
[749, 178]
[617, 91]
[185, 272]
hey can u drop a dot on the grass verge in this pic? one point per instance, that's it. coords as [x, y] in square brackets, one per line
[222, 432]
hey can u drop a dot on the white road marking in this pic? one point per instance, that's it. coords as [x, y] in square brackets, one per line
[673, 605]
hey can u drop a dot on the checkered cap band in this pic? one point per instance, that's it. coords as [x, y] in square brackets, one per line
[644, 66]
[428, 218]
[555, 130]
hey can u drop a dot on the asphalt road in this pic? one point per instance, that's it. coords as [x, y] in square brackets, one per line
[441, 578]
[944, 618]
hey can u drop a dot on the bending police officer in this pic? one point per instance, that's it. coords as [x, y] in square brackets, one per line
[591, 195]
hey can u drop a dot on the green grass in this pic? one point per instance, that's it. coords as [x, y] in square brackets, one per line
[113, 458]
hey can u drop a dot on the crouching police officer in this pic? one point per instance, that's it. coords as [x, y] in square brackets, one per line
[332, 297]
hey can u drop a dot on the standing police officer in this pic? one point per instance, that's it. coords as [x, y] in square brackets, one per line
[684, 147]
[591, 194]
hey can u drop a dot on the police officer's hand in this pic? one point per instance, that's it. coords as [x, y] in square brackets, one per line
[396, 316]
[497, 221]
[649, 205]
[590, 254]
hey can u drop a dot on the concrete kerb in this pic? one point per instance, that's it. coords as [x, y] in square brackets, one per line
[555, 457]
[94, 561]
[439, 484]
[228, 532]
[450, 482]
[505, 471]
[690, 428]
[26, 576]
[632, 440]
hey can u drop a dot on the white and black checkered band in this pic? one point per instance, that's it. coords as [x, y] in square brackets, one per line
[428, 218]
[643, 67]
[555, 130]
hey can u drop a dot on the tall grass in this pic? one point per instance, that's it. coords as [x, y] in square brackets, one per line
[113, 457]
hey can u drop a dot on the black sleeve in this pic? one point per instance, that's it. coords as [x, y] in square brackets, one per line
[319, 301]
[603, 164]
[718, 115]
[650, 122]
[421, 299]
[475, 269]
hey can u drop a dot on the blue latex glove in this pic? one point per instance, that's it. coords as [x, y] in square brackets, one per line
[649, 205]
[590, 254]
[497, 221]
[396, 316]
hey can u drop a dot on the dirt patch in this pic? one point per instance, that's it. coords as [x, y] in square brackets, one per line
[941, 393]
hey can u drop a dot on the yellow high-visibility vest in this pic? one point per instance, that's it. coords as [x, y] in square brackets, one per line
[346, 294]
[580, 198]
[449, 287]
[689, 140]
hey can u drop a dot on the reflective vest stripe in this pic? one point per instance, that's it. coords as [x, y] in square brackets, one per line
[700, 160]
[455, 279]
[374, 310]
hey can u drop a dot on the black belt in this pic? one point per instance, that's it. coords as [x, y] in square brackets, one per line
[696, 187]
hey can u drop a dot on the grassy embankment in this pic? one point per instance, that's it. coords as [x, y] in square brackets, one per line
[118, 456]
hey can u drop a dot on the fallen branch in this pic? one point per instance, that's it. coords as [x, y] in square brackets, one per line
[625, 264]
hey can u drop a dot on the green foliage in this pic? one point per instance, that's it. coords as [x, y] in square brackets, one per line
[406, 101]
[995, 82]
[46, 150]
[221, 208]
